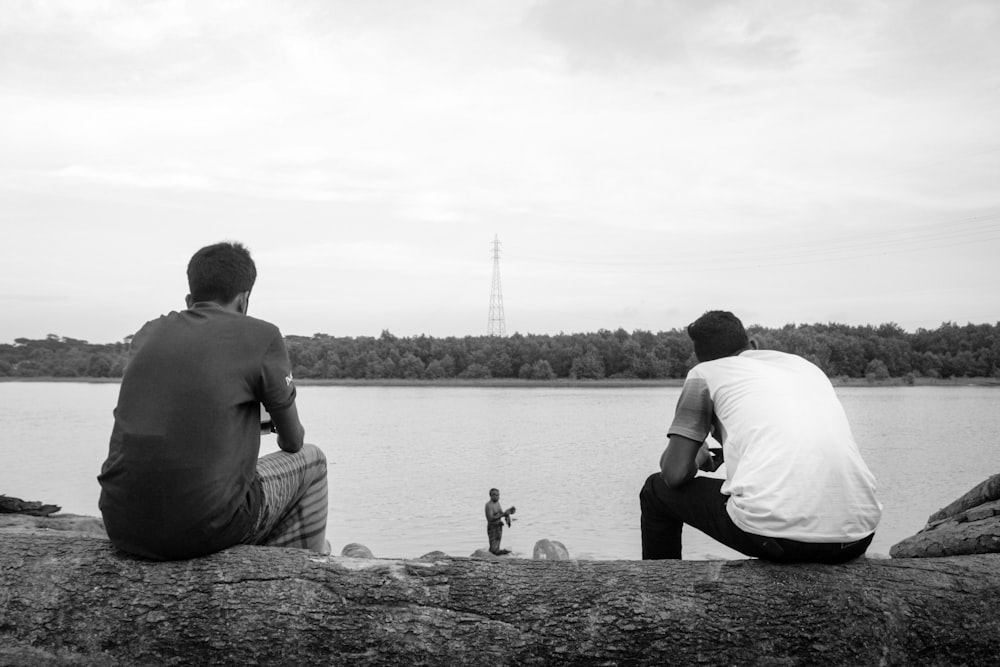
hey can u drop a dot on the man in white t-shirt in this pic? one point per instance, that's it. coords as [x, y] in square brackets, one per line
[796, 488]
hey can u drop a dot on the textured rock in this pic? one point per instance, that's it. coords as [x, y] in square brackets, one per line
[983, 492]
[71, 600]
[969, 525]
[9, 504]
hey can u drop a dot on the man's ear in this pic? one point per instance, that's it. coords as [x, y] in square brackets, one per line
[243, 302]
[189, 301]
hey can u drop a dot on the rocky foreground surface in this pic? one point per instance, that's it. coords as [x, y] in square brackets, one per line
[67, 597]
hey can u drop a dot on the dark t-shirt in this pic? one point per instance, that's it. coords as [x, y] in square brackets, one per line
[179, 478]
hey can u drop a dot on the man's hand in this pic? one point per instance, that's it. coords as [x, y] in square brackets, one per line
[703, 459]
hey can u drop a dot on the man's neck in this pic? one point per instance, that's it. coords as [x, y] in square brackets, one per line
[238, 304]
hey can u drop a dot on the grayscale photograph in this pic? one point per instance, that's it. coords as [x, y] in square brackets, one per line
[479, 332]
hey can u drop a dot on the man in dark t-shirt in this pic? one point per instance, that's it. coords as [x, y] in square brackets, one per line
[182, 477]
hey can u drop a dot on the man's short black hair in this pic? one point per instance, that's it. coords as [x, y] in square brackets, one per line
[219, 272]
[717, 334]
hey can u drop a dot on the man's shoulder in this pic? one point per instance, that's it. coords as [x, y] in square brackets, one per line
[152, 328]
[786, 359]
[185, 328]
[747, 359]
[748, 365]
[768, 355]
[156, 322]
[244, 323]
[262, 325]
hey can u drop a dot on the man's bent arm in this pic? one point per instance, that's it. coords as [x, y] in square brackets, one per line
[682, 459]
[495, 514]
[291, 434]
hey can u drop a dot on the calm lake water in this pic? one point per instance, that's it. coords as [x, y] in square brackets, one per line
[410, 467]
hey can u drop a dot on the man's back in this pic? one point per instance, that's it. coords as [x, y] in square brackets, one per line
[178, 481]
[793, 469]
[796, 487]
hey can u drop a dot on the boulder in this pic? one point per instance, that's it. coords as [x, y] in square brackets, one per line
[969, 525]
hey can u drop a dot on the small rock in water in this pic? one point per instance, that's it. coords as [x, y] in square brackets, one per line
[355, 550]
[550, 550]
[433, 555]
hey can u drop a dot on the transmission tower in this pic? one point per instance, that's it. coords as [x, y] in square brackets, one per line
[496, 326]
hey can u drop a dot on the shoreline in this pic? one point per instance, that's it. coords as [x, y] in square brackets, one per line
[607, 383]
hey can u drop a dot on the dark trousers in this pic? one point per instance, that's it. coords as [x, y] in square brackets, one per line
[700, 503]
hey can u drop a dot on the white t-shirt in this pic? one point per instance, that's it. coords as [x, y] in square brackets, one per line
[793, 469]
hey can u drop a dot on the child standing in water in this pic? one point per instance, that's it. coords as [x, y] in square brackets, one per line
[495, 517]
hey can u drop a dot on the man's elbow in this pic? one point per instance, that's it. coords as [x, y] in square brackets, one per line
[291, 447]
[674, 478]
[294, 443]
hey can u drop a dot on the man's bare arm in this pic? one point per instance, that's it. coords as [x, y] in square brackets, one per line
[682, 459]
[291, 434]
[496, 513]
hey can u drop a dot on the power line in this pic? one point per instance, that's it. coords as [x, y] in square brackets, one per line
[979, 229]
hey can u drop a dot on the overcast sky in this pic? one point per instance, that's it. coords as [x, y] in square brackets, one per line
[640, 162]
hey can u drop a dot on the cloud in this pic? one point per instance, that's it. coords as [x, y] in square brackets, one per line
[627, 152]
[97, 47]
[625, 33]
[926, 46]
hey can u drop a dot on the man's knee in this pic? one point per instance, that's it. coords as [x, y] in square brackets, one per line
[657, 498]
[310, 462]
[652, 490]
[312, 453]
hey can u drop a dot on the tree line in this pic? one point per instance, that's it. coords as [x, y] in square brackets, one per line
[842, 351]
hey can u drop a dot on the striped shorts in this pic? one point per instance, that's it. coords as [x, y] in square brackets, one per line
[293, 511]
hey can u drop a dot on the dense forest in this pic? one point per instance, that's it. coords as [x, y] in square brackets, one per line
[875, 353]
